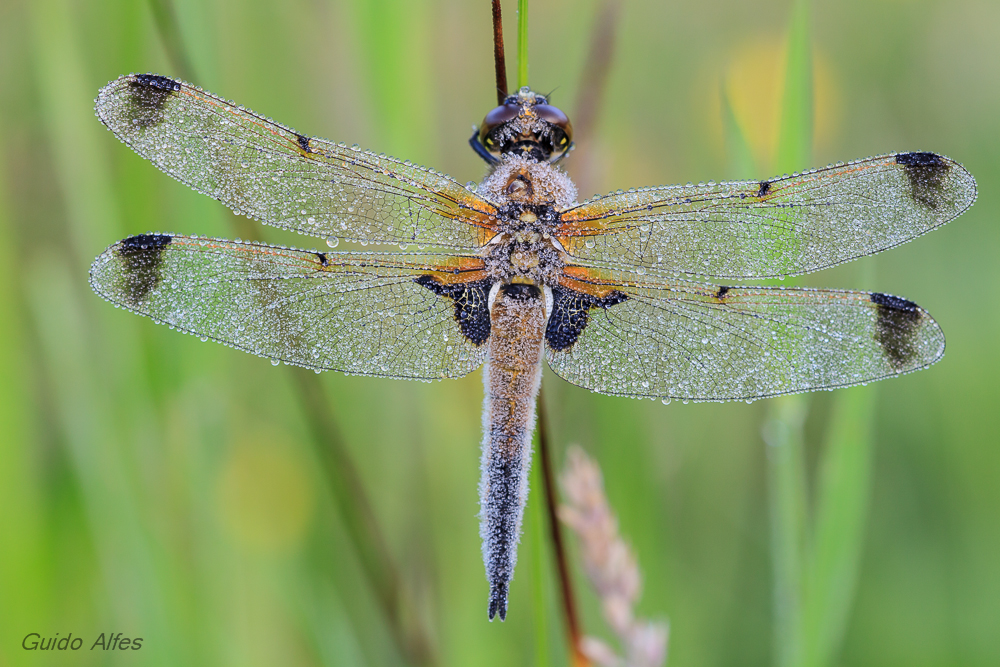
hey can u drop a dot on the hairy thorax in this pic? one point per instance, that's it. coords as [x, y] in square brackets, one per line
[530, 196]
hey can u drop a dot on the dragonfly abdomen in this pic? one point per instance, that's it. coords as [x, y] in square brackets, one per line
[511, 376]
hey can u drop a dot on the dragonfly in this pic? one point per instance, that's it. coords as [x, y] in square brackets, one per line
[636, 293]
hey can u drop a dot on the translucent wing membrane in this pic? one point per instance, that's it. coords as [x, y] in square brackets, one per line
[698, 342]
[360, 313]
[773, 228]
[270, 172]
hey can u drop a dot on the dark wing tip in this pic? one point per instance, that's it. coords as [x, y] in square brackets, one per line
[142, 259]
[498, 601]
[897, 330]
[927, 173]
[135, 101]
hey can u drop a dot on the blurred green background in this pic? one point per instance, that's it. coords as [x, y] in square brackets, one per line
[169, 489]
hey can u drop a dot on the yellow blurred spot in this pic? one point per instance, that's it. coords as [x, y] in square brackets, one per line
[754, 83]
[265, 494]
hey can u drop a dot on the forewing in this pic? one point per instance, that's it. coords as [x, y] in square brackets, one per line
[778, 227]
[360, 313]
[272, 173]
[690, 341]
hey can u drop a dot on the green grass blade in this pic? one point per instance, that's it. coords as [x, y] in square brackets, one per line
[843, 489]
[795, 133]
[814, 594]
[170, 34]
[399, 73]
[786, 460]
[841, 510]
[783, 433]
[522, 43]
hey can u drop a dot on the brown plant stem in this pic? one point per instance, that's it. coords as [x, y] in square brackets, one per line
[499, 63]
[558, 546]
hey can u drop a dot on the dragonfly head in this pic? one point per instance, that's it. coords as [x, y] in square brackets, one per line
[527, 125]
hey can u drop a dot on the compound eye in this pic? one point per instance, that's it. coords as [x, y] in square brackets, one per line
[555, 116]
[497, 117]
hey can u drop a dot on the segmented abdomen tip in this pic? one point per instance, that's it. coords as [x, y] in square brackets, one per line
[498, 601]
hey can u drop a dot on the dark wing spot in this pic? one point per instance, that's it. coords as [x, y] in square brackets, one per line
[571, 314]
[721, 292]
[926, 172]
[303, 143]
[321, 256]
[896, 328]
[142, 257]
[471, 305]
[764, 188]
[147, 95]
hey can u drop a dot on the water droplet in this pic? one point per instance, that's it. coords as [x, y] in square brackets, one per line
[590, 243]
[275, 362]
[332, 241]
[665, 401]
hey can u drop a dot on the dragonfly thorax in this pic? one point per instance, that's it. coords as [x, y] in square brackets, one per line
[535, 260]
[529, 196]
